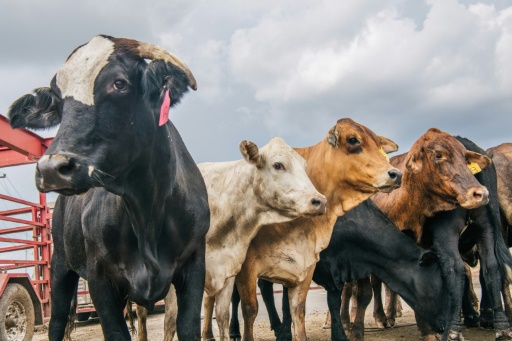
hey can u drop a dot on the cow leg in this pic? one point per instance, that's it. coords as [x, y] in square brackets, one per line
[189, 286]
[334, 300]
[222, 300]
[267, 294]
[445, 243]
[364, 296]
[246, 284]
[234, 324]
[490, 273]
[208, 304]
[469, 301]
[427, 333]
[378, 307]
[486, 312]
[109, 305]
[64, 283]
[142, 316]
[391, 299]
[346, 297]
[398, 305]
[507, 298]
[171, 312]
[285, 331]
[297, 296]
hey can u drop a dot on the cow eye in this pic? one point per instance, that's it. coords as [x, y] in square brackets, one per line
[120, 84]
[353, 141]
[278, 166]
[439, 155]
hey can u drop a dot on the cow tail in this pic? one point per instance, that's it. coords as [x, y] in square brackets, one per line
[70, 326]
[129, 314]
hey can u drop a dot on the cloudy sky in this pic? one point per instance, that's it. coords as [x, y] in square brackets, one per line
[290, 68]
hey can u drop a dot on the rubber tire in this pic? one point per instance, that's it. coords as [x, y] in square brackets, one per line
[17, 292]
[82, 317]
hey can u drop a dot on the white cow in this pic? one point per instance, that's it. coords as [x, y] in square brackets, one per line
[269, 185]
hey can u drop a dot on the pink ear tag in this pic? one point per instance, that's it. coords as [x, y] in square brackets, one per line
[164, 110]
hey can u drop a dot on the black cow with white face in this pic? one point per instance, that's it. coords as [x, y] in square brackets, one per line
[135, 211]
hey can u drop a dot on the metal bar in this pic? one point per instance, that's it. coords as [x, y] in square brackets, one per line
[15, 248]
[21, 241]
[21, 221]
[19, 201]
[21, 262]
[16, 229]
[10, 158]
[15, 211]
[21, 140]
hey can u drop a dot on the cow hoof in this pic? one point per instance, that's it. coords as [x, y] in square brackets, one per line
[326, 326]
[472, 321]
[455, 335]
[284, 334]
[235, 338]
[390, 323]
[487, 319]
[502, 335]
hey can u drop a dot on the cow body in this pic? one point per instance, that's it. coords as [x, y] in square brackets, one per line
[139, 214]
[365, 241]
[286, 253]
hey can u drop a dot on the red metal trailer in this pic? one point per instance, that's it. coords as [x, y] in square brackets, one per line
[24, 297]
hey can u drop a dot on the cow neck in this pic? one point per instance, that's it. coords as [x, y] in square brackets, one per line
[234, 180]
[322, 178]
[408, 206]
[147, 195]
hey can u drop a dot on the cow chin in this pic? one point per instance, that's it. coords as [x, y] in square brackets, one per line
[474, 198]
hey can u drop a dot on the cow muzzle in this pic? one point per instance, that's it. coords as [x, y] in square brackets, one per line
[61, 173]
[316, 206]
[475, 197]
[392, 181]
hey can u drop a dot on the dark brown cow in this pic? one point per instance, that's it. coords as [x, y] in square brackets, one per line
[436, 179]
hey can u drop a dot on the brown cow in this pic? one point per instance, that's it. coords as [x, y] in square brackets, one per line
[436, 178]
[347, 167]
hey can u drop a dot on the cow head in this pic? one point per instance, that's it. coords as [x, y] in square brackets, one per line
[280, 180]
[439, 163]
[357, 158]
[107, 100]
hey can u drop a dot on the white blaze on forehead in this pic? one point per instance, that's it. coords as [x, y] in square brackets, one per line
[76, 77]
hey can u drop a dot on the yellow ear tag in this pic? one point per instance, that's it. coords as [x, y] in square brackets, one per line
[384, 153]
[474, 167]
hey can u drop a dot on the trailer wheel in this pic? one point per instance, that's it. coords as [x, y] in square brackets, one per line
[17, 318]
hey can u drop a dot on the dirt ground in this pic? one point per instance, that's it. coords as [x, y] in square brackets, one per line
[315, 311]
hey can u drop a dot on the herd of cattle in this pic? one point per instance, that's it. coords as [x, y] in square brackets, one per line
[137, 215]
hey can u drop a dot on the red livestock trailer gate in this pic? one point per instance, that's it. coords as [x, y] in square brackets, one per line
[24, 283]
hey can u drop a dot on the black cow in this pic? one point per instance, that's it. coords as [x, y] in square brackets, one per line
[139, 212]
[365, 241]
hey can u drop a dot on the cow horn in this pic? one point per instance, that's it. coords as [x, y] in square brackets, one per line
[151, 51]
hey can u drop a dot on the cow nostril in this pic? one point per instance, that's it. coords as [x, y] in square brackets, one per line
[395, 175]
[316, 202]
[478, 195]
[67, 168]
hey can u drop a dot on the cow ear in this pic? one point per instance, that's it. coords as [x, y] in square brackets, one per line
[250, 152]
[482, 160]
[35, 111]
[161, 76]
[333, 137]
[428, 258]
[387, 145]
[414, 162]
